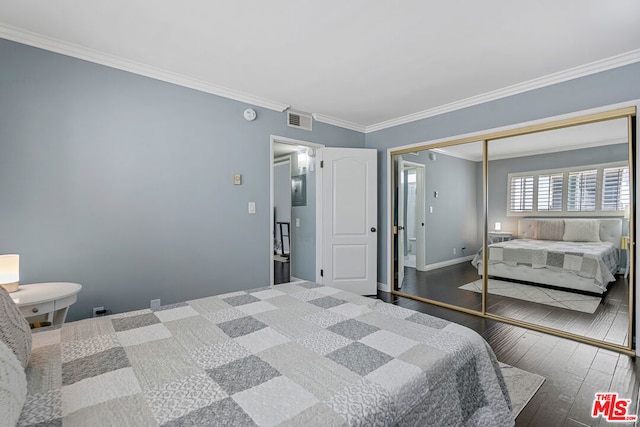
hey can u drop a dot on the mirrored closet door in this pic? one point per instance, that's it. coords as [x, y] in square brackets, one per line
[532, 226]
[438, 204]
[558, 216]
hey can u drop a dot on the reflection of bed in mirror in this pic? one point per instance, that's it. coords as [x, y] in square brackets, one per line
[572, 254]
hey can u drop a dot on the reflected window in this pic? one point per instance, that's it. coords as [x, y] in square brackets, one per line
[589, 189]
[550, 192]
[521, 189]
[615, 189]
[582, 191]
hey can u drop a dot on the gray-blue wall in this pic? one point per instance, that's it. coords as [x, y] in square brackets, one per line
[605, 88]
[454, 221]
[124, 183]
[303, 241]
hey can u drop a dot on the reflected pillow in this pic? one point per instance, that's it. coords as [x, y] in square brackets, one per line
[549, 229]
[581, 230]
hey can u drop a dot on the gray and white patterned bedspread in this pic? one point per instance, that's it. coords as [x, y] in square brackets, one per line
[295, 355]
[593, 260]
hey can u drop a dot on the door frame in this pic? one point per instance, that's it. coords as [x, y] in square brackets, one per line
[318, 199]
[420, 212]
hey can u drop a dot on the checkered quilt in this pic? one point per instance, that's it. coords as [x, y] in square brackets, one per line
[593, 260]
[292, 355]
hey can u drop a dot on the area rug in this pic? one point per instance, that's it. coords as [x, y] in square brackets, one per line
[522, 386]
[568, 300]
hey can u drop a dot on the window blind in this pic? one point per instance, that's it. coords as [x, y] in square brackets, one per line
[550, 189]
[615, 188]
[521, 188]
[582, 190]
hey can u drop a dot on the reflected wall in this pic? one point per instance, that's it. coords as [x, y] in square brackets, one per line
[449, 183]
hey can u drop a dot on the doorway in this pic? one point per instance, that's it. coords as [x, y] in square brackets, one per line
[414, 189]
[293, 210]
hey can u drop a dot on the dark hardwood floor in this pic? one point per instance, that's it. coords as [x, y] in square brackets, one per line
[443, 285]
[573, 371]
[609, 322]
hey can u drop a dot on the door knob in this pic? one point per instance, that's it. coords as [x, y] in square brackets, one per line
[373, 229]
[400, 227]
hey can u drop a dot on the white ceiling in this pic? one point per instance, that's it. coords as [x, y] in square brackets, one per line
[360, 64]
[603, 133]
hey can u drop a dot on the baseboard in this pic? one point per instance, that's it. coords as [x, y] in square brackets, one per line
[384, 287]
[447, 263]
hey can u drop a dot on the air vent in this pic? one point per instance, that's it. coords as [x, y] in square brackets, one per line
[299, 120]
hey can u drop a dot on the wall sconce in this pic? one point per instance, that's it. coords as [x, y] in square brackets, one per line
[303, 160]
[497, 226]
[10, 272]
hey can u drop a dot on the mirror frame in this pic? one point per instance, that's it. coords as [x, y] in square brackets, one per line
[626, 110]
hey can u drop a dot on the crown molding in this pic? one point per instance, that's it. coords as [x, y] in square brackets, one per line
[339, 122]
[548, 80]
[113, 61]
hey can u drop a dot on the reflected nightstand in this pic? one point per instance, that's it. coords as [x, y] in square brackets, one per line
[499, 236]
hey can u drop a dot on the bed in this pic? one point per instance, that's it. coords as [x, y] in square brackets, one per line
[571, 254]
[293, 354]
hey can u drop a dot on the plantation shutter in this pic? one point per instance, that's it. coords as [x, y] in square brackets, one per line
[550, 192]
[521, 191]
[615, 188]
[582, 190]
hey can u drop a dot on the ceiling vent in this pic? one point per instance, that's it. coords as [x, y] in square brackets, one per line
[299, 120]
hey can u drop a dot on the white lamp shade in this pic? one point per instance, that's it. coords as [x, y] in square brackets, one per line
[10, 272]
[497, 226]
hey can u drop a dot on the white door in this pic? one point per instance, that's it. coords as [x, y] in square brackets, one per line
[349, 219]
[400, 220]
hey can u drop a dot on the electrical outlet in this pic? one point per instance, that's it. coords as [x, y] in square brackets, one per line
[237, 179]
[97, 311]
[155, 304]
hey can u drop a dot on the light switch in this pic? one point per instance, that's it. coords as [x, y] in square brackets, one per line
[252, 207]
[237, 179]
[430, 209]
[297, 222]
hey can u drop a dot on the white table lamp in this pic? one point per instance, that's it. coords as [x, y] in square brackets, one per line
[10, 272]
